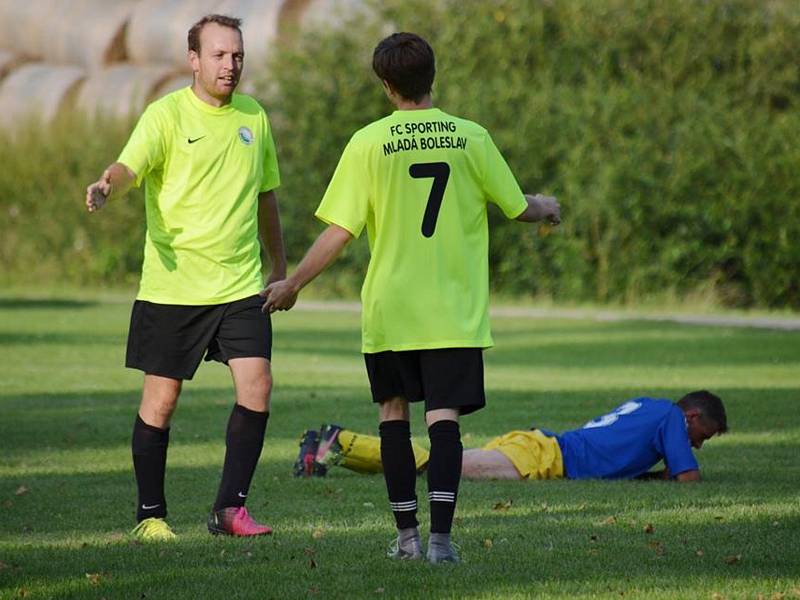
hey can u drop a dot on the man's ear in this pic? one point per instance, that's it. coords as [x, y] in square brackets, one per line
[194, 61]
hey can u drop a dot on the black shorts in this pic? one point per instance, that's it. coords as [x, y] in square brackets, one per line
[170, 339]
[444, 378]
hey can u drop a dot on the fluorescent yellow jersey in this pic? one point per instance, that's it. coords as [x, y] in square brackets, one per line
[203, 169]
[420, 181]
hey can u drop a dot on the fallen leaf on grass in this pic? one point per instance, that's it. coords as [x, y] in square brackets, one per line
[649, 528]
[699, 552]
[21, 490]
[313, 589]
[94, 578]
[488, 543]
[309, 551]
[657, 547]
[612, 520]
[733, 559]
[717, 596]
[23, 593]
[7, 504]
[503, 505]
[318, 533]
[379, 590]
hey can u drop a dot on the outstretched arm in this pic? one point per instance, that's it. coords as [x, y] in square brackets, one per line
[116, 180]
[281, 295]
[541, 208]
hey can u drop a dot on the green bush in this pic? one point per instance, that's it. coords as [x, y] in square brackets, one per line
[666, 129]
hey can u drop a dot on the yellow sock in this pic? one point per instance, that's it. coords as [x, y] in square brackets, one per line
[362, 453]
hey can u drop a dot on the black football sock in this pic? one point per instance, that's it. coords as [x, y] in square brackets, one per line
[149, 449]
[243, 441]
[444, 473]
[399, 471]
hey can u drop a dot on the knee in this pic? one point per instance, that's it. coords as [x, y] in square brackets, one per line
[394, 409]
[256, 394]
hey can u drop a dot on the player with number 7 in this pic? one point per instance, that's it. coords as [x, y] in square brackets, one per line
[420, 181]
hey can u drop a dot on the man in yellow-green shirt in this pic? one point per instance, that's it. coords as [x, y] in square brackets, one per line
[208, 162]
[419, 180]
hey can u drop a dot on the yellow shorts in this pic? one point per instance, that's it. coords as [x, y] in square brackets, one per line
[533, 454]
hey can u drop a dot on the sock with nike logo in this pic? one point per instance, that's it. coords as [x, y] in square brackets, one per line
[149, 448]
[243, 441]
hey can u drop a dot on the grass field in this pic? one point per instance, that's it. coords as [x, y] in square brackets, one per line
[67, 495]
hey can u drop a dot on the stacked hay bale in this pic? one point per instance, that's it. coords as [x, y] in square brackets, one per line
[114, 56]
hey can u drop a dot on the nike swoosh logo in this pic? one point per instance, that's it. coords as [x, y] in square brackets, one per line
[241, 495]
[192, 141]
[145, 507]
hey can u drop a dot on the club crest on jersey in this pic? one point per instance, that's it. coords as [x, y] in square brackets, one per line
[245, 135]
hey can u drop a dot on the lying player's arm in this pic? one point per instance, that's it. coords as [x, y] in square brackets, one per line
[269, 229]
[661, 475]
[664, 474]
[541, 208]
[116, 181]
[282, 295]
[693, 475]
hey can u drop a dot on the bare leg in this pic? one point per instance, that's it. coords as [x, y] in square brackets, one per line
[487, 464]
[159, 399]
[252, 378]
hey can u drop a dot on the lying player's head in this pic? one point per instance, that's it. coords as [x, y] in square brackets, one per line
[405, 62]
[705, 416]
[216, 53]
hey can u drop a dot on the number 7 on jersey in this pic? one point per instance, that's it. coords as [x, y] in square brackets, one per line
[440, 172]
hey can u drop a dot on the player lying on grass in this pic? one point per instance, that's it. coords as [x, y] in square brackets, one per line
[623, 444]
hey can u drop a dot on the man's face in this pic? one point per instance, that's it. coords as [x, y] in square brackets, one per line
[699, 429]
[218, 65]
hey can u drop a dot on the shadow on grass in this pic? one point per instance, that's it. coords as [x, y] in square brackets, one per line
[61, 339]
[72, 421]
[627, 344]
[43, 303]
[569, 549]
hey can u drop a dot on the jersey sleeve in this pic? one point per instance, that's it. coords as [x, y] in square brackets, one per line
[271, 177]
[499, 183]
[145, 149]
[672, 442]
[346, 201]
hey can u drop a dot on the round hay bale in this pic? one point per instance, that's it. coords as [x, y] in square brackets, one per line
[172, 84]
[157, 30]
[23, 26]
[86, 32]
[260, 27]
[320, 15]
[122, 90]
[38, 90]
[8, 62]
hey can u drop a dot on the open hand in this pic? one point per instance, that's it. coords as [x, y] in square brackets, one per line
[97, 193]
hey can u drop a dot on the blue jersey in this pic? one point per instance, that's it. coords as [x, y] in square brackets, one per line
[628, 441]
